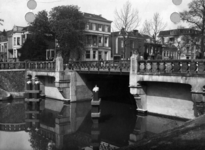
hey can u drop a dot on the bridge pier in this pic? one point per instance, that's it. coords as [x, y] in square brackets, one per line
[140, 98]
[136, 88]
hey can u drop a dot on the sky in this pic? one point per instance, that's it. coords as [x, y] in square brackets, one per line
[13, 11]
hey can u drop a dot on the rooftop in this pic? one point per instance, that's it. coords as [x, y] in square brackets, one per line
[177, 32]
[95, 17]
[133, 33]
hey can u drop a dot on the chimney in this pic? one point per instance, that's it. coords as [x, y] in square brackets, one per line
[135, 32]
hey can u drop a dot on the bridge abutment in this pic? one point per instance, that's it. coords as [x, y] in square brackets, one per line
[164, 88]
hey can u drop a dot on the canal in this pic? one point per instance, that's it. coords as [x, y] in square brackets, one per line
[70, 126]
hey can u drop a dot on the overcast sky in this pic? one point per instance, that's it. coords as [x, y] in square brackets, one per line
[13, 11]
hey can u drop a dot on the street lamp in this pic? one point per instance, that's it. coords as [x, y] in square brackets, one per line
[124, 34]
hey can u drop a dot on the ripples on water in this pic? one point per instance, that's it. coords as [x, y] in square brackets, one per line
[70, 126]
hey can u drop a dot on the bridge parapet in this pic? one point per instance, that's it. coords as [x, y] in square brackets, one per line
[32, 65]
[99, 66]
[172, 67]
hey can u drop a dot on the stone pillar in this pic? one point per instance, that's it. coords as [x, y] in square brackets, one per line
[136, 88]
[198, 99]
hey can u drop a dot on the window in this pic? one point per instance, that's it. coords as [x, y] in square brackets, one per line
[18, 40]
[100, 27]
[94, 54]
[132, 44]
[14, 41]
[105, 56]
[5, 47]
[122, 44]
[87, 54]
[100, 41]
[50, 54]
[94, 26]
[106, 40]
[106, 28]
[87, 26]
[94, 40]
[15, 53]
[99, 55]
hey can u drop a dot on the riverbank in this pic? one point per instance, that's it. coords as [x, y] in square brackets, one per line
[191, 135]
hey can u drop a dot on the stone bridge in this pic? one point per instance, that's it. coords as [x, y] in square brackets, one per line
[168, 87]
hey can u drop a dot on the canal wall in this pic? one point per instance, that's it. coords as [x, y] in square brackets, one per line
[13, 81]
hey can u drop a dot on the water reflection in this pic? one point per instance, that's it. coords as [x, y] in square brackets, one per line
[63, 126]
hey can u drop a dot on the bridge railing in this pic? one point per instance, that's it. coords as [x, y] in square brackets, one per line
[40, 65]
[109, 66]
[35, 65]
[171, 66]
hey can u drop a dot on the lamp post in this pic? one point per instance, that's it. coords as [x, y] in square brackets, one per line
[124, 34]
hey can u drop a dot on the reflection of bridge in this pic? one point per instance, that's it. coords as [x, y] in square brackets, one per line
[12, 126]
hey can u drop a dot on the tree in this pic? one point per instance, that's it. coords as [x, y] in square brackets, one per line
[127, 19]
[33, 49]
[36, 44]
[64, 24]
[195, 16]
[186, 43]
[154, 26]
[67, 22]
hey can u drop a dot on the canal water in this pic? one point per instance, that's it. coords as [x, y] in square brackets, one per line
[69, 126]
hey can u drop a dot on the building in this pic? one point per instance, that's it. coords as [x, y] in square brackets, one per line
[124, 45]
[180, 43]
[97, 33]
[11, 41]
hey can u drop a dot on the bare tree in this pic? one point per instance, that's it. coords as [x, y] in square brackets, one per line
[127, 18]
[195, 16]
[154, 26]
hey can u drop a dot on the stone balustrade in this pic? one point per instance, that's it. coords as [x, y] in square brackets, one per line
[99, 66]
[172, 67]
[34, 65]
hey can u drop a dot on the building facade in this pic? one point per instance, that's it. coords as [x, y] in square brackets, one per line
[181, 43]
[97, 34]
[10, 42]
[124, 45]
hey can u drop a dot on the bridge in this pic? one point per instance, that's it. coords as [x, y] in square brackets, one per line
[168, 87]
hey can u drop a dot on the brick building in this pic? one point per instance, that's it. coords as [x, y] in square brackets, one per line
[123, 46]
